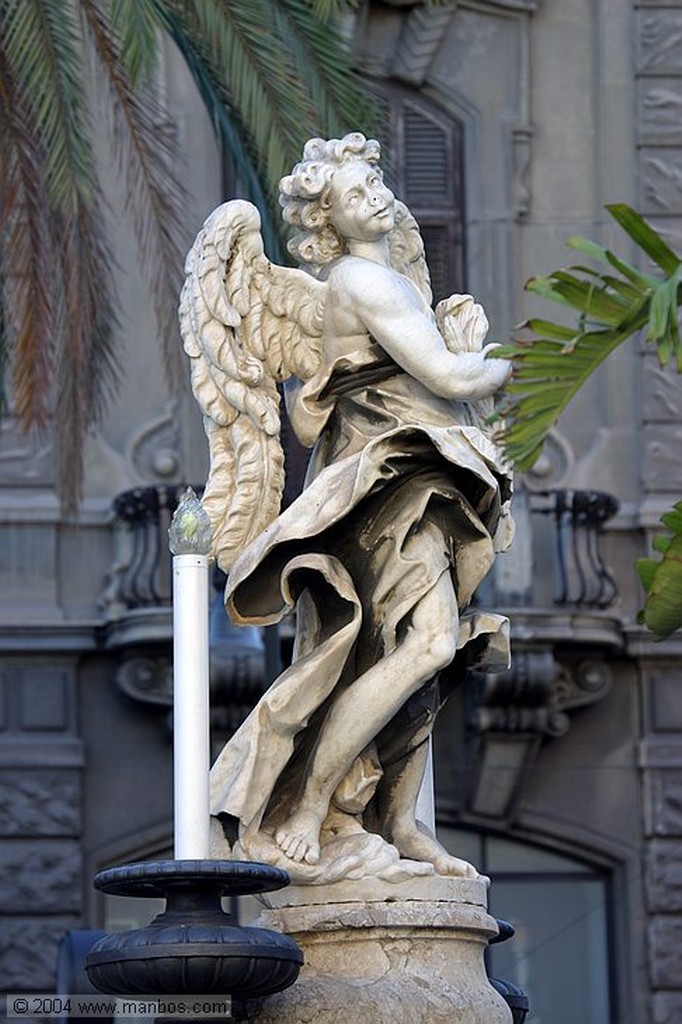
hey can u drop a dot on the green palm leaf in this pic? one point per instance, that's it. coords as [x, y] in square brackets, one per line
[548, 382]
[551, 367]
[26, 248]
[226, 123]
[662, 578]
[40, 44]
[144, 154]
[325, 63]
[271, 73]
[42, 59]
[135, 23]
[645, 237]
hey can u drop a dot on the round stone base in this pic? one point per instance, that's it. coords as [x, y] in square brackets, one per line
[392, 960]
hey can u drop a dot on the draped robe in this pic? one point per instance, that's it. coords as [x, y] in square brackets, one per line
[402, 487]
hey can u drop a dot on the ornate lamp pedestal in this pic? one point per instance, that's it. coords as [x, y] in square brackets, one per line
[194, 946]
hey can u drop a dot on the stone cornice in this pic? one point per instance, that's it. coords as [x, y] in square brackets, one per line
[41, 637]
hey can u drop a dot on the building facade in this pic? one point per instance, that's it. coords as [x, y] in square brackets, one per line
[513, 123]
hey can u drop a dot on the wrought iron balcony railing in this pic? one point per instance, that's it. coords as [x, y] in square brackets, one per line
[140, 574]
[556, 561]
[581, 576]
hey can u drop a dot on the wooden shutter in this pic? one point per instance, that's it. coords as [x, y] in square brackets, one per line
[425, 162]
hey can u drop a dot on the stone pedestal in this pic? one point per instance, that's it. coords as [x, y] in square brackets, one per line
[386, 954]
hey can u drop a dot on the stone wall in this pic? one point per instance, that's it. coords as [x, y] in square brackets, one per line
[659, 162]
[41, 765]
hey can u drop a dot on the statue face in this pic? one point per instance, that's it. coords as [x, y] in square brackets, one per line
[361, 207]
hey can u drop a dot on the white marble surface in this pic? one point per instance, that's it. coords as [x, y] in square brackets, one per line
[404, 508]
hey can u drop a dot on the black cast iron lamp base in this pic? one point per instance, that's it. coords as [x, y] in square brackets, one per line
[193, 946]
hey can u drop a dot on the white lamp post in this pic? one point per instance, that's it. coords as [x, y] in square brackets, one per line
[193, 945]
[190, 542]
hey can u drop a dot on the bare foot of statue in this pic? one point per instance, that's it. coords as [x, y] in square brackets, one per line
[299, 836]
[414, 841]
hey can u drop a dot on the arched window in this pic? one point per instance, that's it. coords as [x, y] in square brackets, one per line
[559, 907]
[424, 154]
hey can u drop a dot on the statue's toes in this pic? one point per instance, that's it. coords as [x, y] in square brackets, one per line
[312, 855]
[296, 849]
[455, 867]
[288, 844]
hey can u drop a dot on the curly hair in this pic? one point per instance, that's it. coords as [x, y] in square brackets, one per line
[304, 196]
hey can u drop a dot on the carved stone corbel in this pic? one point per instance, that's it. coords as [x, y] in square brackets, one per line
[512, 713]
[147, 678]
[421, 36]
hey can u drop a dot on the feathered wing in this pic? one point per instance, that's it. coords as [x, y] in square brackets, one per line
[246, 324]
[406, 251]
[461, 321]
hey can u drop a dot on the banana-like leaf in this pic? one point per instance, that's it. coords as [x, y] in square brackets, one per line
[552, 365]
[662, 579]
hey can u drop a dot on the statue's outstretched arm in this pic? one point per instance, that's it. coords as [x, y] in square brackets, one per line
[392, 313]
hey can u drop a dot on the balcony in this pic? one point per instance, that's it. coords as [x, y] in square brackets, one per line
[555, 561]
[137, 624]
[554, 584]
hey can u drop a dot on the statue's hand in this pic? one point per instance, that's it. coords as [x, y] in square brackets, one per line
[495, 371]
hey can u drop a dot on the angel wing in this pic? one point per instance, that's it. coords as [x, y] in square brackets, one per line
[406, 251]
[461, 321]
[246, 324]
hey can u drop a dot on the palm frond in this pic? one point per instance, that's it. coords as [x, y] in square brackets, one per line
[323, 58]
[27, 298]
[226, 124]
[551, 367]
[662, 578]
[135, 23]
[40, 43]
[645, 237]
[87, 371]
[281, 74]
[271, 74]
[325, 10]
[145, 155]
[42, 54]
[237, 42]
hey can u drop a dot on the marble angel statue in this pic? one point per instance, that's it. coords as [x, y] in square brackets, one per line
[405, 502]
